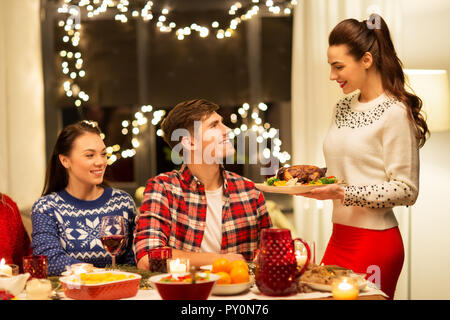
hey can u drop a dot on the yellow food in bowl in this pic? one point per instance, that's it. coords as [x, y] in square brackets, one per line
[96, 278]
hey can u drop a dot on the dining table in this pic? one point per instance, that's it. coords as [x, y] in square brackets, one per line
[147, 290]
[254, 294]
[149, 293]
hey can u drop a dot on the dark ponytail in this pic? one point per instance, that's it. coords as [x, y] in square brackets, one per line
[56, 177]
[373, 36]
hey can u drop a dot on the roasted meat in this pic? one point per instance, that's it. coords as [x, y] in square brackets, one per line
[303, 173]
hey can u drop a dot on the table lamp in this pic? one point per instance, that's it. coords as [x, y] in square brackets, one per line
[432, 87]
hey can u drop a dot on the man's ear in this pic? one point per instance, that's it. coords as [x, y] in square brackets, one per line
[64, 161]
[188, 143]
[367, 60]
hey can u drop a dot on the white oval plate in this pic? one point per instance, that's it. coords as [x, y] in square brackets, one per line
[288, 189]
[207, 267]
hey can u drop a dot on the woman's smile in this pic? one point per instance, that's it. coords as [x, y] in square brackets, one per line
[342, 83]
[97, 173]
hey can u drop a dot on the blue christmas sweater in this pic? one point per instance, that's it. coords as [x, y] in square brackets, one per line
[67, 229]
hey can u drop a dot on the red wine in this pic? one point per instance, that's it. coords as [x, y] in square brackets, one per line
[113, 243]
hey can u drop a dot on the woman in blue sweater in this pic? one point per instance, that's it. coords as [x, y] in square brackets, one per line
[66, 219]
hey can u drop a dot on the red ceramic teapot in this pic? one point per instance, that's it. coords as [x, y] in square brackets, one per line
[276, 271]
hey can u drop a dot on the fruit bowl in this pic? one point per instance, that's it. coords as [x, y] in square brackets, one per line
[127, 287]
[184, 290]
[231, 289]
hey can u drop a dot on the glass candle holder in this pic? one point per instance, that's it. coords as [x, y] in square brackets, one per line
[179, 265]
[36, 266]
[79, 268]
[5, 269]
[345, 288]
[157, 259]
[14, 269]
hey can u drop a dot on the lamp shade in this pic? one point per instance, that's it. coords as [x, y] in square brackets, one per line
[432, 87]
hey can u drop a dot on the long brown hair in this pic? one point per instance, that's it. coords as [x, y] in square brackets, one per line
[56, 177]
[373, 36]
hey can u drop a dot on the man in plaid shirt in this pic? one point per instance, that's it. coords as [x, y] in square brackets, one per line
[202, 211]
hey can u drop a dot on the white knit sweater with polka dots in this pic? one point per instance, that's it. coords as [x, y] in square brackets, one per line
[372, 147]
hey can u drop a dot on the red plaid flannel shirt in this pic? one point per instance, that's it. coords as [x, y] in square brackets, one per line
[173, 214]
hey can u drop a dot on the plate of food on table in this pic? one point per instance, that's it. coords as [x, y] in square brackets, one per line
[320, 277]
[101, 285]
[297, 179]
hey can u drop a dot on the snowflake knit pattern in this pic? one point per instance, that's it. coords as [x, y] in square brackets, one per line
[67, 229]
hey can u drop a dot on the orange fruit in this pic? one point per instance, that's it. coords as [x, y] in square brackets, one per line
[239, 263]
[221, 265]
[239, 275]
[224, 278]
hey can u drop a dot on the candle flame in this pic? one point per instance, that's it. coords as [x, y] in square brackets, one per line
[2, 262]
[344, 285]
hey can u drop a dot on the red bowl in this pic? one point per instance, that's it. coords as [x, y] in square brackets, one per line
[182, 290]
[113, 290]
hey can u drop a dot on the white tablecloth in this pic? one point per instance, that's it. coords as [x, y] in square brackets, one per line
[252, 294]
[255, 294]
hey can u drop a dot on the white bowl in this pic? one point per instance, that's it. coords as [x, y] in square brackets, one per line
[14, 284]
[231, 289]
[207, 267]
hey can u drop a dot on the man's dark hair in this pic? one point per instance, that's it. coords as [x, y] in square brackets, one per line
[183, 115]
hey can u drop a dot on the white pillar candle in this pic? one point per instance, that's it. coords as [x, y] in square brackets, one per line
[5, 269]
[178, 266]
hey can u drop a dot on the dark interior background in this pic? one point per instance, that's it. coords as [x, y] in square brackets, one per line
[132, 64]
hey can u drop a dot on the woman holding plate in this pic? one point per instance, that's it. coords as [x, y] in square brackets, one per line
[373, 144]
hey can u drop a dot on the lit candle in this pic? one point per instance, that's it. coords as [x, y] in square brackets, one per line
[344, 289]
[39, 289]
[5, 269]
[301, 258]
[178, 265]
[80, 268]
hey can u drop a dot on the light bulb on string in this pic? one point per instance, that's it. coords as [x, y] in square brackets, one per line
[98, 7]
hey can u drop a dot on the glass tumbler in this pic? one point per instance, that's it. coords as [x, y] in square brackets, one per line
[157, 259]
[36, 266]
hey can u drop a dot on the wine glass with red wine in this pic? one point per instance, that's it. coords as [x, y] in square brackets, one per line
[112, 234]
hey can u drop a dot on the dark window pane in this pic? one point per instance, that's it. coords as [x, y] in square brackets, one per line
[276, 58]
[210, 68]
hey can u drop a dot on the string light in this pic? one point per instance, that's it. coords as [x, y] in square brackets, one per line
[72, 59]
[263, 133]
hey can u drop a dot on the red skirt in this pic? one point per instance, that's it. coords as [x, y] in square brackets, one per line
[378, 253]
